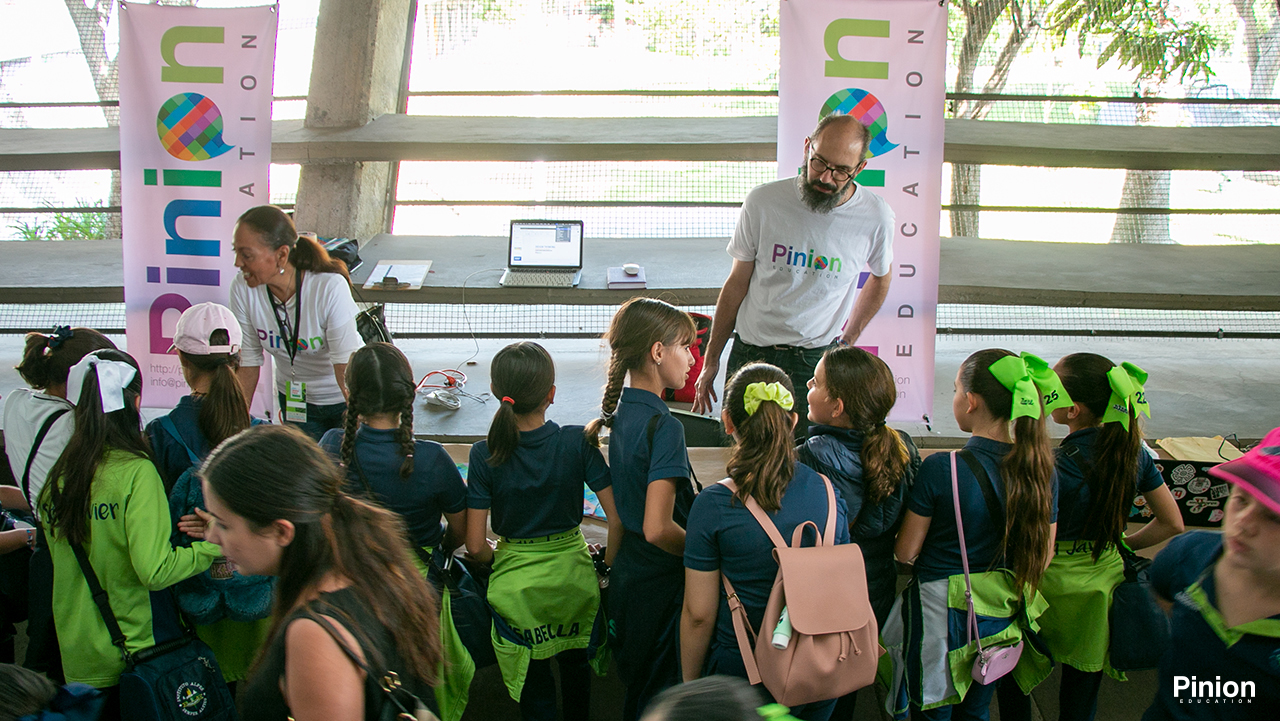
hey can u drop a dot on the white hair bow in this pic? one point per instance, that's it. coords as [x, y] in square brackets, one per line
[113, 377]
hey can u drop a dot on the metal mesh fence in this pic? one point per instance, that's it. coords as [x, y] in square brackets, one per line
[503, 321]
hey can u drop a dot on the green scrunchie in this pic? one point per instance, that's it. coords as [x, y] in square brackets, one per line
[1013, 374]
[1127, 389]
[1047, 381]
[757, 393]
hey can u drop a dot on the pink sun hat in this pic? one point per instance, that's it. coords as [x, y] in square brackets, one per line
[1257, 472]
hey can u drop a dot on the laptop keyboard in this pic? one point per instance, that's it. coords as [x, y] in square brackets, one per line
[539, 278]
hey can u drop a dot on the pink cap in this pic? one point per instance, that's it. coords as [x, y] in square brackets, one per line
[1257, 472]
[197, 325]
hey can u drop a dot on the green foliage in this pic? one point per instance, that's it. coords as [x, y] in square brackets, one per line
[1139, 34]
[84, 225]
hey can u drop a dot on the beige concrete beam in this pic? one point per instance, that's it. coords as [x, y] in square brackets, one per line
[355, 77]
[400, 137]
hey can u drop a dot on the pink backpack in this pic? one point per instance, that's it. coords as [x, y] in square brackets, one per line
[834, 646]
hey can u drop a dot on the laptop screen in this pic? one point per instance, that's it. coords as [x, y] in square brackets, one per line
[545, 244]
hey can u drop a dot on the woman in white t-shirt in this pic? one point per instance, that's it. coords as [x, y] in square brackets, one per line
[294, 302]
[42, 411]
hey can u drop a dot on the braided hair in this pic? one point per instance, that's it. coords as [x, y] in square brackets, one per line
[637, 325]
[380, 381]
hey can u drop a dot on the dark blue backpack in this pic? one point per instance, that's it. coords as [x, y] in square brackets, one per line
[219, 592]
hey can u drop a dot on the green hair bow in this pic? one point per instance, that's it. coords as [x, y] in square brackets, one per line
[1013, 374]
[775, 712]
[757, 393]
[1048, 383]
[1127, 391]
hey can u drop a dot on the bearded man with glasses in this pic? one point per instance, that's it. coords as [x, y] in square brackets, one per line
[798, 249]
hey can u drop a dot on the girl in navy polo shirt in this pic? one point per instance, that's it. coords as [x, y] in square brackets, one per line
[649, 340]
[530, 473]
[1101, 467]
[414, 478]
[1223, 592]
[870, 464]
[207, 339]
[724, 537]
[998, 401]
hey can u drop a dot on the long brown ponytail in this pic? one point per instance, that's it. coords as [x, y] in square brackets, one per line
[637, 325]
[224, 411]
[865, 384]
[1027, 471]
[522, 374]
[272, 472]
[763, 459]
[1114, 478]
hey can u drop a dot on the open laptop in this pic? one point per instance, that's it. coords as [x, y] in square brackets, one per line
[544, 253]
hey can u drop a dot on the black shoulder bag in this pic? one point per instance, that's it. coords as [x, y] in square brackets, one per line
[171, 680]
[1139, 627]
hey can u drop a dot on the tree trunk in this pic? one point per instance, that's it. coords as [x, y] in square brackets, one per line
[91, 24]
[1262, 49]
[1144, 189]
[980, 20]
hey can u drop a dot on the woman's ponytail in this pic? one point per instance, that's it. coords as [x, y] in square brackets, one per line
[763, 460]
[1113, 480]
[504, 437]
[271, 473]
[1027, 470]
[884, 461]
[609, 401]
[865, 385]
[46, 359]
[309, 255]
[521, 376]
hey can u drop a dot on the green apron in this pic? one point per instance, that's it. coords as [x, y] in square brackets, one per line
[1076, 625]
[235, 644]
[546, 591]
[457, 668]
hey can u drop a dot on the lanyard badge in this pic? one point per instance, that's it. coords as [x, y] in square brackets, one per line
[295, 403]
[295, 406]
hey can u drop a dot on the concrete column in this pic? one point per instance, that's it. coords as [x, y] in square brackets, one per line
[355, 77]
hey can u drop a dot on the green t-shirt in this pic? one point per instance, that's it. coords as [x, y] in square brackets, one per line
[129, 549]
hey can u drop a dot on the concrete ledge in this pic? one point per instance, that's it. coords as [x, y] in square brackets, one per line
[690, 271]
[412, 137]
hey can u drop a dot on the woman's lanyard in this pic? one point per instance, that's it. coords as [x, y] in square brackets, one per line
[282, 316]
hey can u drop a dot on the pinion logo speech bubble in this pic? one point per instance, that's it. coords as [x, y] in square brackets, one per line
[868, 110]
[190, 127]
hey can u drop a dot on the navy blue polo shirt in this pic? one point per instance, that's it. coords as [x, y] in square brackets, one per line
[931, 496]
[724, 536]
[1246, 653]
[635, 465]
[170, 457]
[538, 490]
[434, 488]
[1074, 492]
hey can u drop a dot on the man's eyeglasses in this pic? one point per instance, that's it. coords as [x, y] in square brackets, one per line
[820, 166]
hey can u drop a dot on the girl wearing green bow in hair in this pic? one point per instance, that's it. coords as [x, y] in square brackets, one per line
[1007, 503]
[1101, 467]
[724, 537]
